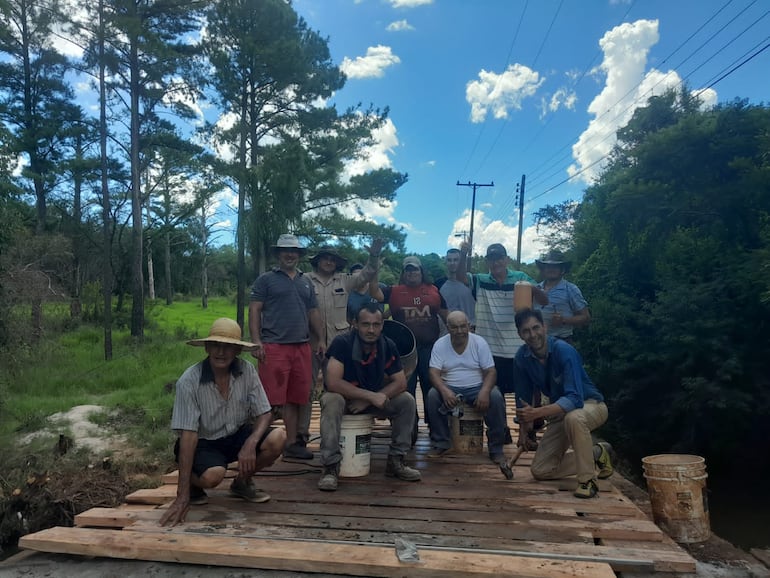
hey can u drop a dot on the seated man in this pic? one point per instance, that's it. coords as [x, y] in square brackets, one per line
[462, 363]
[221, 414]
[364, 375]
[552, 366]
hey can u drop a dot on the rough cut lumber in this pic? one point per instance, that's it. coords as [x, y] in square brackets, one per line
[356, 560]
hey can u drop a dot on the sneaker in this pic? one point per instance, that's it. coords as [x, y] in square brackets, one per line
[603, 462]
[396, 468]
[298, 452]
[247, 491]
[508, 439]
[438, 452]
[198, 496]
[497, 458]
[329, 478]
[587, 490]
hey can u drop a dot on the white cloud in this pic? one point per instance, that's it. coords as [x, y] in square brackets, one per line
[376, 156]
[500, 93]
[409, 3]
[486, 232]
[562, 98]
[373, 65]
[628, 85]
[398, 26]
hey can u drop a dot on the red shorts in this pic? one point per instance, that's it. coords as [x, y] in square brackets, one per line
[286, 373]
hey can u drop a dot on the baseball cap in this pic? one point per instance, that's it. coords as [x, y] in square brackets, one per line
[495, 251]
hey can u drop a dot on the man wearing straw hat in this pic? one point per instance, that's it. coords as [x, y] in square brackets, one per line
[282, 314]
[221, 414]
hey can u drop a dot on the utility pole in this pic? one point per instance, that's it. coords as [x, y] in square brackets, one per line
[473, 210]
[521, 219]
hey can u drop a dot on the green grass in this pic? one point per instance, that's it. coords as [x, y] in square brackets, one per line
[69, 369]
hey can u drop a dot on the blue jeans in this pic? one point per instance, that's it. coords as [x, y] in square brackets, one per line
[440, 435]
[423, 372]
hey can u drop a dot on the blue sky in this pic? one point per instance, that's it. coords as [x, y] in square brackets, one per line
[489, 90]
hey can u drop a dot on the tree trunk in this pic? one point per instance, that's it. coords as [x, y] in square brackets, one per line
[106, 216]
[137, 237]
[204, 268]
[169, 286]
[150, 271]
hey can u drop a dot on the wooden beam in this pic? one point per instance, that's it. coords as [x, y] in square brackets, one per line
[301, 556]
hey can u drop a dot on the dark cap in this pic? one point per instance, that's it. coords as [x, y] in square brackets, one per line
[495, 251]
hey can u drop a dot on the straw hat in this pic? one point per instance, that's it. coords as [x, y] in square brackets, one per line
[224, 330]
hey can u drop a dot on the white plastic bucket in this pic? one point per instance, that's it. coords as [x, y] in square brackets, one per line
[468, 432]
[677, 487]
[355, 445]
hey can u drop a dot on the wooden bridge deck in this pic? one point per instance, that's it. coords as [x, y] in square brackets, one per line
[465, 518]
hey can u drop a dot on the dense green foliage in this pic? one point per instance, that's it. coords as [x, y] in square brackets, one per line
[673, 243]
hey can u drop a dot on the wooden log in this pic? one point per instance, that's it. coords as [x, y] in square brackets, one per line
[301, 556]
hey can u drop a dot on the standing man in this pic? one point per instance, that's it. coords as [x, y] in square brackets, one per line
[567, 308]
[221, 414]
[494, 314]
[417, 304]
[462, 364]
[552, 366]
[282, 314]
[364, 375]
[332, 289]
[455, 289]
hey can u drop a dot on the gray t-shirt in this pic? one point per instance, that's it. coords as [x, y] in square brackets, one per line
[199, 407]
[458, 297]
[285, 306]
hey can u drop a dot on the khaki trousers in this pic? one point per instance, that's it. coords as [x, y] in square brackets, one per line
[553, 459]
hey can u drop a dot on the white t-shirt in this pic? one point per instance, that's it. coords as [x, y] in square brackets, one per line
[462, 371]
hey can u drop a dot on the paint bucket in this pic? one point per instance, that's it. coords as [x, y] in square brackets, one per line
[677, 487]
[355, 445]
[405, 342]
[522, 296]
[468, 431]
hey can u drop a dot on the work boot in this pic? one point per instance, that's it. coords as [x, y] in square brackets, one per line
[396, 468]
[328, 481]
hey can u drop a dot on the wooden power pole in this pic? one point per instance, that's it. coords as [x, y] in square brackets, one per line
[473, 210]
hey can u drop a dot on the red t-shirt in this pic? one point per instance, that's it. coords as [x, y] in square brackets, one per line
[417, 308]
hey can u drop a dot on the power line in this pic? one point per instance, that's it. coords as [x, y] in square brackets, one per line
[634, 102]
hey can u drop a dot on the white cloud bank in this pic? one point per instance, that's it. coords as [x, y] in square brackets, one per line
[373, 65]
[486, 232]
[500, 93]
[628, 84]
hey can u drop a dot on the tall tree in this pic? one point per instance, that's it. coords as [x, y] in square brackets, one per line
[34, 98]
[672, 240]
[270, 73]
[153, 49]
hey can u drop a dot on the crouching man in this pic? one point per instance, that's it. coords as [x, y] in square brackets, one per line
[553, 367]
[221, 414]
[364, 376]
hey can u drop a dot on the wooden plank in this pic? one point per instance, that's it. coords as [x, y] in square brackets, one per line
[356, 560]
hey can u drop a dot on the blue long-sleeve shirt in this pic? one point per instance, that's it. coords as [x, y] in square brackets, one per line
[562, 378]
